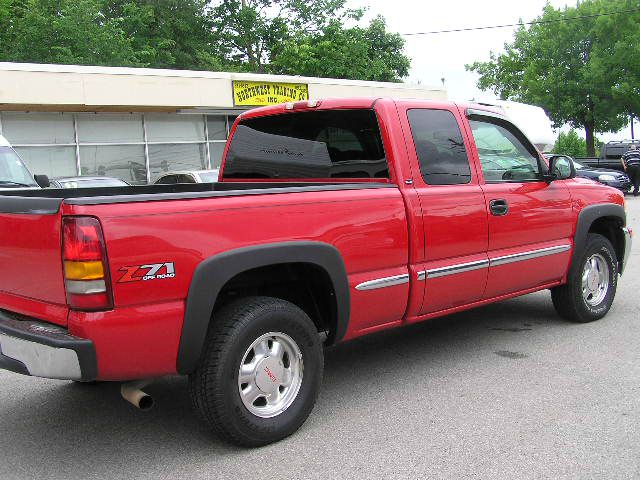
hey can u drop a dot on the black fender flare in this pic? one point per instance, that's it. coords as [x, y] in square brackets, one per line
[587, 216]
[213, 273]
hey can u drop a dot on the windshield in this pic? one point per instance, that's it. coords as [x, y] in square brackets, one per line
[209, 177]
[94, 182]
[13, 173]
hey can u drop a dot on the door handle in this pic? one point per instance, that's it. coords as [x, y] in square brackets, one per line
[498, 207]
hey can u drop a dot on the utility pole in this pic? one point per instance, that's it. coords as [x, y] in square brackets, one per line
[633, 137]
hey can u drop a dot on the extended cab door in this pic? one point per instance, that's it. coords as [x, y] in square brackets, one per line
[530, 220]
[454, 263]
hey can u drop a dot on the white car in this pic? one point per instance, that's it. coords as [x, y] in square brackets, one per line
[13, 172]
[189, 176]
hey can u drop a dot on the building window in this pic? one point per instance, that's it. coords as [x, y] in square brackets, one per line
[165, 158]
[52, 161]
[134, 147]
[109, 128]
[38, 128]
[125, 162]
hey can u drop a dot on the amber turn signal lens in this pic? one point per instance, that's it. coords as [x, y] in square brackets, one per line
[83, 270]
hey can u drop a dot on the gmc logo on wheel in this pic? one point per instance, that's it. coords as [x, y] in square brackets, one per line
[153, 271]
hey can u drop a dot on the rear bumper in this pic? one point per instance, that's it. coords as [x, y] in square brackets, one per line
[627, 247]
[31, 347]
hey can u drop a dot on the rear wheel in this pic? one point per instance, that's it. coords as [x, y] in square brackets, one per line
[591, 285]
[260, 373]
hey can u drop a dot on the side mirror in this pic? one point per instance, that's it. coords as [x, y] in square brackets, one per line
[42, 181]
[561, 167]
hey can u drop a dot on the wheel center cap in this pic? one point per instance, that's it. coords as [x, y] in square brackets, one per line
[269, 373]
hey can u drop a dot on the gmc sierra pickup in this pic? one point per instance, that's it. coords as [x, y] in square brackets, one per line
[332, 219]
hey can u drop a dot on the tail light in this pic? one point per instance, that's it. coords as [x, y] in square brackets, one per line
[86, 271]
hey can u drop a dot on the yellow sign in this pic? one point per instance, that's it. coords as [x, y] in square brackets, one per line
[257, 94]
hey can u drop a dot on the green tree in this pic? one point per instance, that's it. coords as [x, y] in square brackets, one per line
[62, 31]
[271, 36]
[564, 65]
[298, 37]
[571, 144]
[622, 56]
[168, 33]
[252, 32]
[369, 53]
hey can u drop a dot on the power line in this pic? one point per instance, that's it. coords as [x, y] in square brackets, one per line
[535, 22]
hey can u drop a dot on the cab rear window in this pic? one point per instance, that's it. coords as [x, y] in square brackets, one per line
[305, 145]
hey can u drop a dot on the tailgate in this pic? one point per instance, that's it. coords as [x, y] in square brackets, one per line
[31, 278]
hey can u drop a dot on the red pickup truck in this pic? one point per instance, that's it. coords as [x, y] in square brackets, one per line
[332, 219]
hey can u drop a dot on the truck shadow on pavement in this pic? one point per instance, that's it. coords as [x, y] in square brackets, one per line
[78, 429]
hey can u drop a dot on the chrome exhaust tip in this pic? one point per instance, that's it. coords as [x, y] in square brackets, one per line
[132, 393]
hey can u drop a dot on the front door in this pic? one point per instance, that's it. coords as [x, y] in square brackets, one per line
[530, 220]
[454, 265]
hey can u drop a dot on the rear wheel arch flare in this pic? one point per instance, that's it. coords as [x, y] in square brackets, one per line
[212, 274]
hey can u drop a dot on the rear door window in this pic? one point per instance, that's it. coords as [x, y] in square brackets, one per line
[319, 144]
[439, 147]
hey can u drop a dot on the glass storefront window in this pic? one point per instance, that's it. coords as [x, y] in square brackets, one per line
[216, 149]
[113, 144]
[177, 157]
[217, 127]
[38, 128]
[125, 162]
[167, 128]
[51, 161]
[109, 128]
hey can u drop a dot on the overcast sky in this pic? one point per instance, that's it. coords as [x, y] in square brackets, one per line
[444, 55]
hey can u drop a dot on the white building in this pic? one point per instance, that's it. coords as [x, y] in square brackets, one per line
[135, 123]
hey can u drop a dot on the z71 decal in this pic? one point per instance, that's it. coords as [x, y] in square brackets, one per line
[153, 271]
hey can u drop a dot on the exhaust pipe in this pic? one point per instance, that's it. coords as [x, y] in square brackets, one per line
[132, 393]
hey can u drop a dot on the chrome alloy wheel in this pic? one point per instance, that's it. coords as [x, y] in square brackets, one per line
[595, 280]
[270, 374]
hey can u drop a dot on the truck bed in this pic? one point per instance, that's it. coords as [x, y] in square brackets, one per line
[48, 201]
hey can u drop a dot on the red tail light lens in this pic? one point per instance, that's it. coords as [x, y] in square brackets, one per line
[85, 265]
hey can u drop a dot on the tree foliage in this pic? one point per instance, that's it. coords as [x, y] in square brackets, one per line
[572, 65]
[294, 37]
[571, 144]
[369, 53]
[62, 31]
[167, 33]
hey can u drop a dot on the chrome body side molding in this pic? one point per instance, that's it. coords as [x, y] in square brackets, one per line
[458, 268]
[491, 262]
[383, 282]
[519, 257]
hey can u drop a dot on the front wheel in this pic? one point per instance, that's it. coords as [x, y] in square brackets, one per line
[591, 285]
[260, 373]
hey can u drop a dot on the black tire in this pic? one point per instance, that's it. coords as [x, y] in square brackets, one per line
[568, 299]
[213, 386]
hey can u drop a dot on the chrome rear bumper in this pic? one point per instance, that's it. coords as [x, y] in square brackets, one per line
[627, 247]
[39, 349]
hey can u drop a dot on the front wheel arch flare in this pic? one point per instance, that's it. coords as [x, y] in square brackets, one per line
[586, 219]
[212, 274]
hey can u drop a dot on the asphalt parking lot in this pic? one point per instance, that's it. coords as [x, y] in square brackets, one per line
[506, 391]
